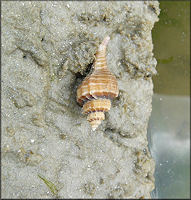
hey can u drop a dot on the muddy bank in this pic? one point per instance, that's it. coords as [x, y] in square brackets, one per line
[47, 50]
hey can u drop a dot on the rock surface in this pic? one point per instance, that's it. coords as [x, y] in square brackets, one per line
[47, 50]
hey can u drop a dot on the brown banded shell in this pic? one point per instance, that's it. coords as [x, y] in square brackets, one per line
[98, 88]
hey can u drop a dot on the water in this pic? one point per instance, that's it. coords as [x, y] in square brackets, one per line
[171, 38]
[169, 125]
[169, 144]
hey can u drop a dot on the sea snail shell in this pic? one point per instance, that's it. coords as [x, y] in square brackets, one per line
[98, 88]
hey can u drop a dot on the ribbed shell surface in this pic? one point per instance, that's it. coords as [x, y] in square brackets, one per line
[98, 88]
[100, 84]
[96, 105]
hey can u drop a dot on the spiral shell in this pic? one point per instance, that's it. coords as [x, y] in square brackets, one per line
[98, 88]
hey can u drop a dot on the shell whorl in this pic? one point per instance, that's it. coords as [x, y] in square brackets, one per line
[98, 88]
[100, 60]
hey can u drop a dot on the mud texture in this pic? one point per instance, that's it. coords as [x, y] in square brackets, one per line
[47, 50]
